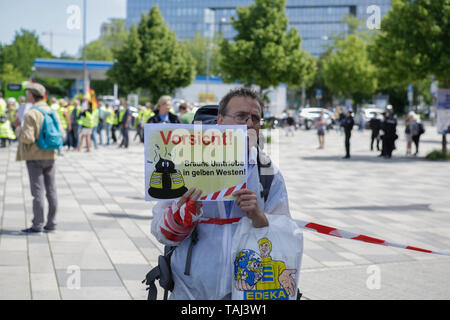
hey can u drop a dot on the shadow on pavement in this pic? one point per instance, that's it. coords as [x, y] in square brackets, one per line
[5, 232]
[124, 215]
[358, 158]
[408, 207]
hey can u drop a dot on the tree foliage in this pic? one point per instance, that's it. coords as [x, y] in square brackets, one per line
[102, 48]
[348, 71]
[23, 50]
[198, 46]
[153, 59]
[413, 42]
[264, 52]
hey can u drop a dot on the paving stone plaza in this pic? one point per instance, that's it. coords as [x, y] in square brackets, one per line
[103, 232]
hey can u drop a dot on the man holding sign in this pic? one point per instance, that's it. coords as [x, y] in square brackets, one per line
[203, 271]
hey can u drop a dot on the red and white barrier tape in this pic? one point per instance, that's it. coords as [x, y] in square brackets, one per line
[218, 195]
[359, 237]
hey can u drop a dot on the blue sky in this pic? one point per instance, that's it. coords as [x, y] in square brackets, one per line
[52, 15]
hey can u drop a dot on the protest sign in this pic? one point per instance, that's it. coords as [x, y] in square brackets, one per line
[181, 156]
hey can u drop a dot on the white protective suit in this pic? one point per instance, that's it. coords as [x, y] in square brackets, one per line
[210, 276]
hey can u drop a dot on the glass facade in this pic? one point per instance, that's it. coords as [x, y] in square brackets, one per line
[316, 20]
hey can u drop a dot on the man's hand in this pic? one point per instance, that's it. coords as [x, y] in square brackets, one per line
[248, 202]
[195, 195]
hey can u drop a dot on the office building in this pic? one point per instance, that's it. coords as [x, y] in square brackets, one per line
[316, 20]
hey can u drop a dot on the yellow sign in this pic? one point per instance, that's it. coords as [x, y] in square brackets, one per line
[211, 158]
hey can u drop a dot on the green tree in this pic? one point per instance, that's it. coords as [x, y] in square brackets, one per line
[23, 50]
[413, 42]
[10, 74]
[102, 48]
[198, 46]
[153, 59]
[348, 71]
[127, 62]
[264, 53]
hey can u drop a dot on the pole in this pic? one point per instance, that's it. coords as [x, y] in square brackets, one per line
[303, 94]
[85, 74]
[207, 70]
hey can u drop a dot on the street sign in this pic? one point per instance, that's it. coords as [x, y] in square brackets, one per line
[443, 110]
[434, 88]
[410, 94]
[319, 93]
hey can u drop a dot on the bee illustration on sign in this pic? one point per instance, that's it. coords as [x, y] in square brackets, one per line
[166, 181]
[262, 278]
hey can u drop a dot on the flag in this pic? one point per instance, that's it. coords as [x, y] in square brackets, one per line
[92, 98]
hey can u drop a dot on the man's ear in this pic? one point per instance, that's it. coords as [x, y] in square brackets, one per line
[219, 119]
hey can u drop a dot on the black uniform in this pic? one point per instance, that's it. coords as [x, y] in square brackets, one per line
[375, 126]
[157, 119]
[348, 124]
[389, 127]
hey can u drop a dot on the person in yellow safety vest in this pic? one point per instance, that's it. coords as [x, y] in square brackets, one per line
[76, 123]
[109, 121]
[64, 115]
[87, 124]
[115, 123]
[148, 112]
[124, 124]
[12, 111]
[6, 131]
[139, 125]
[70, 138]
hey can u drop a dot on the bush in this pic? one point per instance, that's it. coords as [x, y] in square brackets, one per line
[437, 155]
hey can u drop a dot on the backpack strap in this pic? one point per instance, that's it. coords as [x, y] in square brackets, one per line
[266, 177]
[194, 239]
[161, 272]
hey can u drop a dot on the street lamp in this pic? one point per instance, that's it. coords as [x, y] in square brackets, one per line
[85, 74]
[222, 21]
[209, 22]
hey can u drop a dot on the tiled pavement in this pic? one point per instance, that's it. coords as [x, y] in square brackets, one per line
[103, 222]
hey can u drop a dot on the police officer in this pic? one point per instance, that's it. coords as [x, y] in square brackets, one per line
[375, 126]
[347, 123]
[389, 127]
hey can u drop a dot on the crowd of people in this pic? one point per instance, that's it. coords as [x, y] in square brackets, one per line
[88, 126]
[383, 131]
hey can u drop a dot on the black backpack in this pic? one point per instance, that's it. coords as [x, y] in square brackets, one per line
[206, 115]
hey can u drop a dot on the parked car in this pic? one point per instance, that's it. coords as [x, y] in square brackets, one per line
[365, 114]
[308, 116]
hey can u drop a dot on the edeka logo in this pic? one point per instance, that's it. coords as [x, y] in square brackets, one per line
[275, 294]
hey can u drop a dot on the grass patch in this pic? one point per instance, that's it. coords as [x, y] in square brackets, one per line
[437, 155]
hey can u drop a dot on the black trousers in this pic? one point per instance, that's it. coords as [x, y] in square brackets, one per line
[375, 136]
[125, 138]
[347, 143]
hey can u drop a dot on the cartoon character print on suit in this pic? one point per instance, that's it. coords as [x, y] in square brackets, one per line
[166, 182]
[259, 275]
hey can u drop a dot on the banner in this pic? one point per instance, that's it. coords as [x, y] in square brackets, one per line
[211, 158]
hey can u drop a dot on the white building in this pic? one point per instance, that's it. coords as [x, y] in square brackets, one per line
[215, 89]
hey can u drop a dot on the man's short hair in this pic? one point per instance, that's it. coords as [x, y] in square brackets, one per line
[239, 92]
